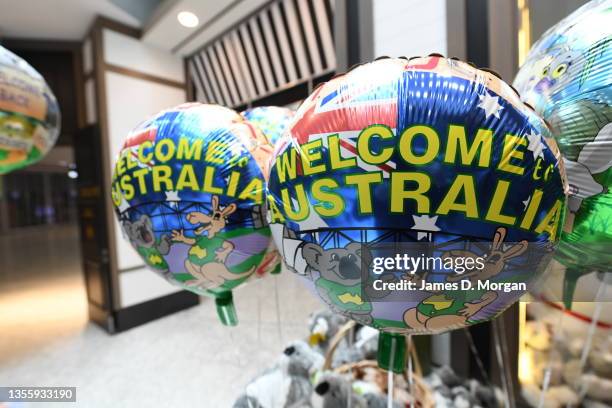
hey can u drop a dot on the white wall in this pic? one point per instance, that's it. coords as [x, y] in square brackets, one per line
[129, 101]
[409, 27]
[129, 52]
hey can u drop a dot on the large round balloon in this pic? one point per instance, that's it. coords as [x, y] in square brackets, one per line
[567, 79]
[272, 120]
[189, 190]
[416, 196]
[29, 114]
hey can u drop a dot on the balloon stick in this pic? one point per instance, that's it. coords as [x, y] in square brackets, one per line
[225, 308]
[392, 352]
[601, 292]
[569, 285]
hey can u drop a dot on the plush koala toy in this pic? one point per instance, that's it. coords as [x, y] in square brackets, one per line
[339, 281]
[287, 384]
[333, 390]
[323, 326]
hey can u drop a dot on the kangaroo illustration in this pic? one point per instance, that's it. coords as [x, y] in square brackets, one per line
[208, 253]
[455, 308]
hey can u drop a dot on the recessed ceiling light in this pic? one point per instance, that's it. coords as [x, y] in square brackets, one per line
[188, 19]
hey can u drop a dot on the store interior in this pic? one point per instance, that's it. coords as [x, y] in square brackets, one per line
[80, 307]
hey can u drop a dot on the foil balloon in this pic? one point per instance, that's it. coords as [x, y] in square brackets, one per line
[29, 114]
[188, 188]
[566, 77]
[271, 120]
[395, 176]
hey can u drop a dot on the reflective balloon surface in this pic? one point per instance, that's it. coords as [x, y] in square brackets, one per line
[189, 189]
[29, 114]
[567, 79]
[271, 120]
[427, 158]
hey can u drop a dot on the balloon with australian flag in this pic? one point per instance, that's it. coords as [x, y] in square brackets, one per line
[416, 196]
[188, 187]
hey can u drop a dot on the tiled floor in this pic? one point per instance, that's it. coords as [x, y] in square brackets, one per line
[185, 360]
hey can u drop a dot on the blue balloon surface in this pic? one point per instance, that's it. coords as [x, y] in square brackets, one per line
[428, 152]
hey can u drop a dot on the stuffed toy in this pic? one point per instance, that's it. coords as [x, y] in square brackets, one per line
[287, 384]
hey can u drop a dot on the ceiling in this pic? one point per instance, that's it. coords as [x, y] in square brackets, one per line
[70, 19]
[216, 16]
[56, 19]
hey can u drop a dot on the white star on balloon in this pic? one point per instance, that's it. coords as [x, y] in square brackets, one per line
[124, 205]
[526, 202]
[535, 145]
[236, 149]
[490, 105]
[424, 223]
[172, 196]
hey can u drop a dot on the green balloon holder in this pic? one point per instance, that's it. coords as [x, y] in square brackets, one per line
[392, 352]
[569, 285]
[276, 270]
[226, 311]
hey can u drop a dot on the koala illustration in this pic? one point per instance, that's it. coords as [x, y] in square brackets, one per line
[558, 71]
[142, 237]
[455, 308]
[208, 253]
[339, 281]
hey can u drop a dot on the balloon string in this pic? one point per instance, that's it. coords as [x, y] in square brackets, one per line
[278, 316]
[500, 362]
[548, 369]
[506, 367]
[410, 378]
[390, 375]
[259, 297]
[476, 355]
[591, 333]
[351, 336]
[235, 345]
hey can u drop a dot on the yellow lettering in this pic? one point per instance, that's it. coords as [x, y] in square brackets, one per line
[405, 144]
[275, 214]
[163, 155]
[140, 176]
[463, 185]
[161, 175]
[285, 166]
[232, 185]
[189, 149]
[532, 208]
[335, 157]
[209, 178]
[311, 153]
[142, 156]
[127, 189]
[511, 151]
[187, 178]
[214, 152]
[330, 204]
[481, 146]
[497, 203]
[253, 191]
[399, 193]
[301, 200]
[363, 144]
[364, 194]
[551, 221]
